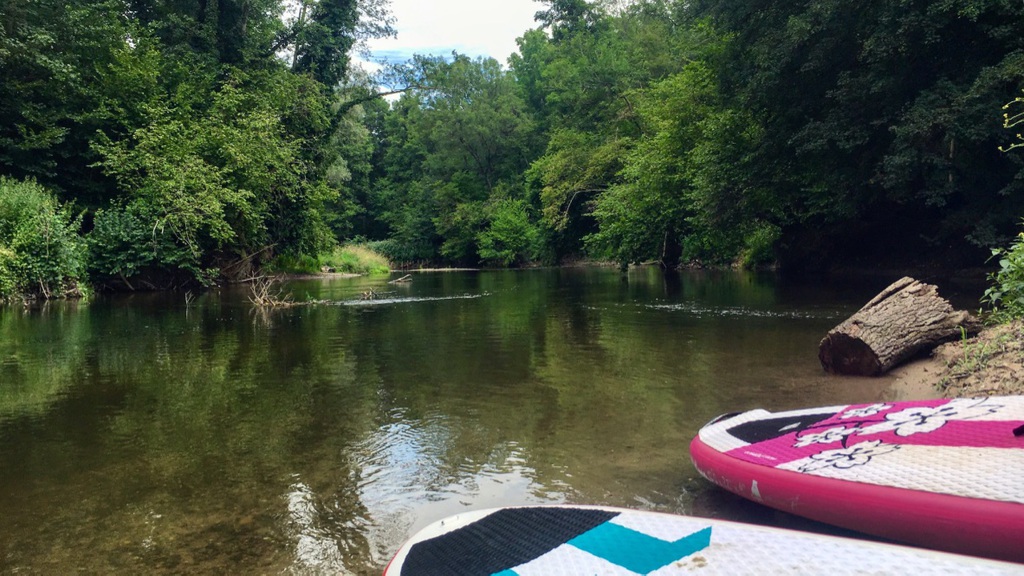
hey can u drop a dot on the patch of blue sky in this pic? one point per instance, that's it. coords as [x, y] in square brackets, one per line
[469, 27]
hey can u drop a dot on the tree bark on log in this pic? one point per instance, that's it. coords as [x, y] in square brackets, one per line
[903, 320]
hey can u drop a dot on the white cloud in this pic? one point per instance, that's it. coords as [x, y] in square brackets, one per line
[472, 27]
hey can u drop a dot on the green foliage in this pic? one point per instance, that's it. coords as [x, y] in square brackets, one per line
[510, 237]
[569, 18]
[393, 251]
[906, 157]
[709, 131]
[410, 218]
[41, 253]
[624, 213]
[228, 179]
[293, 264]
[356, 259]
[577, 166]
[350, 259]
[9, 276]
[598, 81]
[51, 56]
[125, 243]
[325, 33]
[1011, 120]
[452, 147]
[759, 245]
[182, 119]
[1006, 293]
[681, 191]
[461, 228]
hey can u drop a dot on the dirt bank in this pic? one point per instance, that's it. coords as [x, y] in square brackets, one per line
[989, 364]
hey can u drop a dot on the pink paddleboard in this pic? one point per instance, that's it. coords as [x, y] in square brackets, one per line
[944, 474]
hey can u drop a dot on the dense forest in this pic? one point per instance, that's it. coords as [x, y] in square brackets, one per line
[149, 143]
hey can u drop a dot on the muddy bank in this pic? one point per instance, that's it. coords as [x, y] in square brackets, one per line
[989, 364]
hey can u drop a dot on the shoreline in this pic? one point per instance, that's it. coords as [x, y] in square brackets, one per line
[988, 364]
[918, 379]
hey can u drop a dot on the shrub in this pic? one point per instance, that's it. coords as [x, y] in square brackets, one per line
[293, 264]
[42, 252]
[8, 272]
[395, 251]
[510, 238]
[125, 243]
[1006, 294]
[759, 245]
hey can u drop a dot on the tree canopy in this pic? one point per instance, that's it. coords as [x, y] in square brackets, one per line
[188, 138]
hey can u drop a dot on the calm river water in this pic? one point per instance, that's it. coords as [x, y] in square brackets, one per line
[139, 434]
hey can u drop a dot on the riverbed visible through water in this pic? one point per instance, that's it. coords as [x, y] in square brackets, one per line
[159, 433]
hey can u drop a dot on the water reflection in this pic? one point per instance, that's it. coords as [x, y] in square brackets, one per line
[316, 546]
[148, 434]
[699, 310]
[410, 473]
[386, 301]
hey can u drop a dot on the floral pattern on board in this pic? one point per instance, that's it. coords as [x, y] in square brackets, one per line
[922, 419]
[843, 458]
[864, 411]
[825, 437]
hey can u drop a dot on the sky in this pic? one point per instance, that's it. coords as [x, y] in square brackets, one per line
[471, 27]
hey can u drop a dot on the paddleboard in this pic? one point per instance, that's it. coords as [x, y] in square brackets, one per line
[945, 474]
[589, 540]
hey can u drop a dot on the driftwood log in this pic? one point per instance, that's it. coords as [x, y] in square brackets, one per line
[905, 319]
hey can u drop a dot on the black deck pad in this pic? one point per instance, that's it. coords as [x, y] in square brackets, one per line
[760, 430]
[499, 541]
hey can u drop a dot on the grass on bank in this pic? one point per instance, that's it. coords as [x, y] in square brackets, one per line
[348, 259]
[356, 259]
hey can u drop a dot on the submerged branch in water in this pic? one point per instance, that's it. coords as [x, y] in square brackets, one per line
[265, 291]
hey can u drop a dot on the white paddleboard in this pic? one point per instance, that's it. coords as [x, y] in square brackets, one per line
[588, 540]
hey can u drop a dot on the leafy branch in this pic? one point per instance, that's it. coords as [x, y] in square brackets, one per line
[1011, 120]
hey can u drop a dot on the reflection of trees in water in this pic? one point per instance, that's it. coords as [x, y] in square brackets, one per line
[198, 420]
[172, 437]
[39, 354]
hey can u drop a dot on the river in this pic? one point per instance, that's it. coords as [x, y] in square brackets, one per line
[159, 433]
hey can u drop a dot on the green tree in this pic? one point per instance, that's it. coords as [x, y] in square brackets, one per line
[593, 80]
[644, 216]
[182, 116]
[880, 120]
[324, 35]
[227, 181]
[510, 237]
[568, 18]
[126, 249]
[41, 252]
[451, 146]
[52, 55]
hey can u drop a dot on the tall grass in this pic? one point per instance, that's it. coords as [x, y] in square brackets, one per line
[349, 259]
[356, 259]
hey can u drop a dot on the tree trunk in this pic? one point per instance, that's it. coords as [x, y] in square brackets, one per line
[905, 319]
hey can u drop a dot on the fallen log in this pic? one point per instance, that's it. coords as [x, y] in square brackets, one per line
[905, 319]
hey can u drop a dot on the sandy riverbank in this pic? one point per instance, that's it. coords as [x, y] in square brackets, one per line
[990, 364]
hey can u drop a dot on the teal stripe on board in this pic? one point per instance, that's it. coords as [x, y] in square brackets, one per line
[636, 551]
[505, 572]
